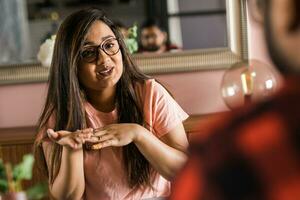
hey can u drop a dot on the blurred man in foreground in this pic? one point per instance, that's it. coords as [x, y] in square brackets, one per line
[255, 153]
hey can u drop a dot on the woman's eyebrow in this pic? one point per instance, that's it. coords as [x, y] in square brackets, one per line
[103, 38]
[106, 37]
[88, 43]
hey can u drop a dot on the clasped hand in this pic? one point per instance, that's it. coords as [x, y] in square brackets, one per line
[111, 135]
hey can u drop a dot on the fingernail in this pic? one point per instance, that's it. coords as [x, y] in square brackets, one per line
[97, 146]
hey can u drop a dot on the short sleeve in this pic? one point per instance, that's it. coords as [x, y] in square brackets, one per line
[162, 112]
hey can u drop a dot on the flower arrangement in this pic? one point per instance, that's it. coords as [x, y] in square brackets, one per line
[46, 51]
[11, 178]
[131, 39]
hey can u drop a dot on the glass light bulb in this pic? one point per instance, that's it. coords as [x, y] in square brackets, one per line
[247, 82]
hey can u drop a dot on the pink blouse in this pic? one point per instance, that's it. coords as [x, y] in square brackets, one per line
[104, 170]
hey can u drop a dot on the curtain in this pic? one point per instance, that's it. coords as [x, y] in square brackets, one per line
[14, 33]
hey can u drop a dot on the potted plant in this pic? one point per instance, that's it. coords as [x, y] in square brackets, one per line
[11, 178]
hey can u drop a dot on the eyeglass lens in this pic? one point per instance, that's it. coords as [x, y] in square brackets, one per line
[109, 46]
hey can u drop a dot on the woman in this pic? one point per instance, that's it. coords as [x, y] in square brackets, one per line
[107, 131]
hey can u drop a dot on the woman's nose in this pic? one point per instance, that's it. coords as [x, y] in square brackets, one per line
[102, 57]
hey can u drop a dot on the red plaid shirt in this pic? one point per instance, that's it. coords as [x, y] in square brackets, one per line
[252, 154]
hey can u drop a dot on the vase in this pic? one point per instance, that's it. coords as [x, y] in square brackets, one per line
[14, 196]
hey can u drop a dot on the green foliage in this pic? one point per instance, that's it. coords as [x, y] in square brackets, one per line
[3, 185]
[2, 170]
[37, 192]
[20, 172]
[132, 31]
[3, 182]
[131, 40]
[23, 171]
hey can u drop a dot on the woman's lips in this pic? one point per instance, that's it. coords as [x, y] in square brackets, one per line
[105, 72]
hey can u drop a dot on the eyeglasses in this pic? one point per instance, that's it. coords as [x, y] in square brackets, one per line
[109, 46]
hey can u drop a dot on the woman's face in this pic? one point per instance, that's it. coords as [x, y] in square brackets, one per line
[101, 64]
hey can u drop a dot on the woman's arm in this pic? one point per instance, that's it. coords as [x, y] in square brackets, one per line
[69, 183]
[166, 155]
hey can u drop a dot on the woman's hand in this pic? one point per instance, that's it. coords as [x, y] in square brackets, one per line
[115, 135]
[73, 140]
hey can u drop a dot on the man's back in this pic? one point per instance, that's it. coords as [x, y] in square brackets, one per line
[254, 155]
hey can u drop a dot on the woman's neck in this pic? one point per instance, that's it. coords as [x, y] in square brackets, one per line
[104, 100]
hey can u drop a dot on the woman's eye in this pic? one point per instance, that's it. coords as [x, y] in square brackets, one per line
[88, 53]
[109, 45]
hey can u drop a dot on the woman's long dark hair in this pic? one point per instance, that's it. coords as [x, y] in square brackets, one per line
[66, 103]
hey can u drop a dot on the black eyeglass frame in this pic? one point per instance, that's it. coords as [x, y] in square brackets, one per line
[98, 48]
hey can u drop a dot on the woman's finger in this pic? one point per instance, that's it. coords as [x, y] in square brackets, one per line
[97, 139]
[98, 129]
[100, 133]
[53, 135]
[104, 138]
[74, 144]
[72, 139]
[92, 139]
[96, 146]
[58, 134]
[83, 135]
[103, 144]
[79, 140]
[88, 130]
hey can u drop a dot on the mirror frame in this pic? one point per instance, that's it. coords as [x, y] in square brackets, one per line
[175, 62]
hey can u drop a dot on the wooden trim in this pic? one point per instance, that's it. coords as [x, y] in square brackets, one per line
[17, 135]
[26, 135]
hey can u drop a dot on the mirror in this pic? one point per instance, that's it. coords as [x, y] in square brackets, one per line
[230, 49]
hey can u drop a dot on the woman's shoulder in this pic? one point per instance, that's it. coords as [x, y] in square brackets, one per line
[150, 85]
[151, 89]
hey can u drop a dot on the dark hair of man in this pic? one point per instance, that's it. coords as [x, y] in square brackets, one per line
[152, 22]
[65, 98]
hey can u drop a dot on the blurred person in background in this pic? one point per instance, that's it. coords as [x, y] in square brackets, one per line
[254, 152]
[154, 39]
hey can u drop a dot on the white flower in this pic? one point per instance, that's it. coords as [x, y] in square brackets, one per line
[46, 51]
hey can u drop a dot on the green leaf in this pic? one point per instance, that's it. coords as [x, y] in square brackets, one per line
[3, 181]
[23, 171]
[2, 170]
[3, 185]
[132, 31]
[37, 192]
[131, 40]
[131, 44]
